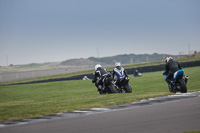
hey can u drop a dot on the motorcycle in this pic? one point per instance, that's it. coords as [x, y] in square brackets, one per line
[108, 85]
[178, 82]
[123, 85]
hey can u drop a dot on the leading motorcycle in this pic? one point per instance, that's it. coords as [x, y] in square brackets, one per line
[178, 82]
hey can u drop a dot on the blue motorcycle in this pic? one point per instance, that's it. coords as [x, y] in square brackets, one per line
[178, 82]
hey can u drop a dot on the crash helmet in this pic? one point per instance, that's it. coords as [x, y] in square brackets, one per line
[118, 64]
[168, 59]
[97, 66]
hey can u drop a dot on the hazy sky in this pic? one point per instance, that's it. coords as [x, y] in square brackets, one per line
[56, 30]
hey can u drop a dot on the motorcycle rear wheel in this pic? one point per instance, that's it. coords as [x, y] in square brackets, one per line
[183, 86]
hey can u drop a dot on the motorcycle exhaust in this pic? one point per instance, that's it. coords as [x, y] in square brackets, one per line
[186, 79]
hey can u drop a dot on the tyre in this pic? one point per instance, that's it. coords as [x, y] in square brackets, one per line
[183, 86]
[170, 88]
[112, 89]
[101, 92]
[128, 89]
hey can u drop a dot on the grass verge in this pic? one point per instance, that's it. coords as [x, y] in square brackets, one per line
[193, 132]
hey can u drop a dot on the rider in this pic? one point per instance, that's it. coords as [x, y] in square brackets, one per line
[171, 67]
[119, 71]
[99, 75]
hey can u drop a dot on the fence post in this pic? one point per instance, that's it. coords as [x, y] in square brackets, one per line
[17, 76]
[49, 72]
[33, 74]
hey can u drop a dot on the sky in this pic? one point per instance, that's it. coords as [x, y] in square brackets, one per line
[38, 31]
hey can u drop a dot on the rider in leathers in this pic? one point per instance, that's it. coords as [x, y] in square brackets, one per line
[120, 72]
[99, 75]
[171, 67]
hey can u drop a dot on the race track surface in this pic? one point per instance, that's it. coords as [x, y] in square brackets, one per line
[174, 114]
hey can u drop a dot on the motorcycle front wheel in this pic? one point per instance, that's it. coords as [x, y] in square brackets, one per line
[112, 89]
[128, 89]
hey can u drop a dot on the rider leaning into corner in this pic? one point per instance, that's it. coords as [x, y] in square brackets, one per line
[99, 75]
[119, 71]
[171, 67]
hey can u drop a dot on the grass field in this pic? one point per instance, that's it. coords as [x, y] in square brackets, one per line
[34, 100]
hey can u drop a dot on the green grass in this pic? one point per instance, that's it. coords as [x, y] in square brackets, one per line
[33, 65]
[193, 132]
[33, 100]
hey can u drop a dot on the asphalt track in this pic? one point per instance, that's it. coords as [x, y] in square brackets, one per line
[177, 114]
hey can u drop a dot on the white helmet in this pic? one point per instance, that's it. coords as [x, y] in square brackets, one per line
[168, 58]
[117, 64]
[97, 66]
